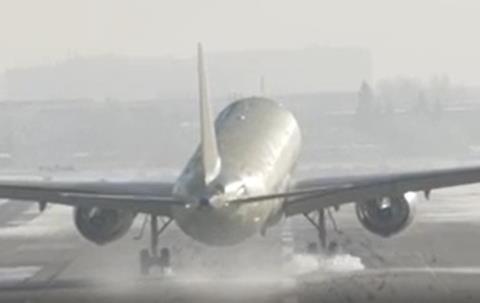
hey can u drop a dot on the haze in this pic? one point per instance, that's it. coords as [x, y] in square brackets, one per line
[411, 38]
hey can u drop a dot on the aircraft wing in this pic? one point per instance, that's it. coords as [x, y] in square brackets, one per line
[311, 194]
[146, 197]
[324, 192]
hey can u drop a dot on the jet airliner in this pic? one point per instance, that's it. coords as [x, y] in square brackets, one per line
[238, 183]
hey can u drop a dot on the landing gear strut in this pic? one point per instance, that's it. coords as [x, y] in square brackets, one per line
[151, 257]
[321, 225]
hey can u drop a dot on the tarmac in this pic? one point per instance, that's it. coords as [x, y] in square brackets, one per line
[44, 259]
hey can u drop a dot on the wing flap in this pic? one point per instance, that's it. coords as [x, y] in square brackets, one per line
[311, 194]
[147, 197]
[349, 189]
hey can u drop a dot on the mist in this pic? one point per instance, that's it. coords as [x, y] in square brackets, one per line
[117, 69]
[412, 38]
[106, 90]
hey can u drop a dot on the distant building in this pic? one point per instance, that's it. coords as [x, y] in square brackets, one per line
[366, 100]
[310, 70]
[3, 92]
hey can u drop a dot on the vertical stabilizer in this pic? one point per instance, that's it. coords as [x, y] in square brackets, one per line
[210, 156]
[262, 87]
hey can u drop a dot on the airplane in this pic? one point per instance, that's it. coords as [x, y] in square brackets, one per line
[238, 183]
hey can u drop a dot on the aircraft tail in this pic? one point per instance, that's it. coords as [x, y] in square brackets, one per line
[210, 156]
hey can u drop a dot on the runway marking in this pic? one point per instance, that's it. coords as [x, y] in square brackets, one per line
[46, 246]
[56, 221]
[435, 276]
[467, 216]
[288, 241]
[24, 217]
[459, 270]
[288, 254]
[437, 270]
[11, 276]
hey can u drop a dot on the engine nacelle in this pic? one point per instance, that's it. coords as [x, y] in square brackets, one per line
[102, 226]
[387, 216]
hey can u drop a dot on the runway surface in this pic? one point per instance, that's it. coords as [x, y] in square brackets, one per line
[43, 259]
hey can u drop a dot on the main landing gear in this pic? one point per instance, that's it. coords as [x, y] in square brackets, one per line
[320, 223]
[152, 257]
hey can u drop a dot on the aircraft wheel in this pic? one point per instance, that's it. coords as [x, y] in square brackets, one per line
[164, 260]
[333, 248]
[144, 262]
[312, 248]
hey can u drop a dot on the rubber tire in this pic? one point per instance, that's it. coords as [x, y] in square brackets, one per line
[312, 248]
[333, 248]
[165, 259]
[145, 262]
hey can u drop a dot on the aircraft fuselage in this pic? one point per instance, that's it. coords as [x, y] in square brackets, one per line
[259, 142]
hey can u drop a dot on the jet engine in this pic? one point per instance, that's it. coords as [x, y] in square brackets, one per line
[102, 226]
[389, 215]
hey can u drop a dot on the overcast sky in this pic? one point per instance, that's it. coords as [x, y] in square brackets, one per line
[408, 37]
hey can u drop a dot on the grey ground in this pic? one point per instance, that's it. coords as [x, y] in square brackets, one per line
[43, 259]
